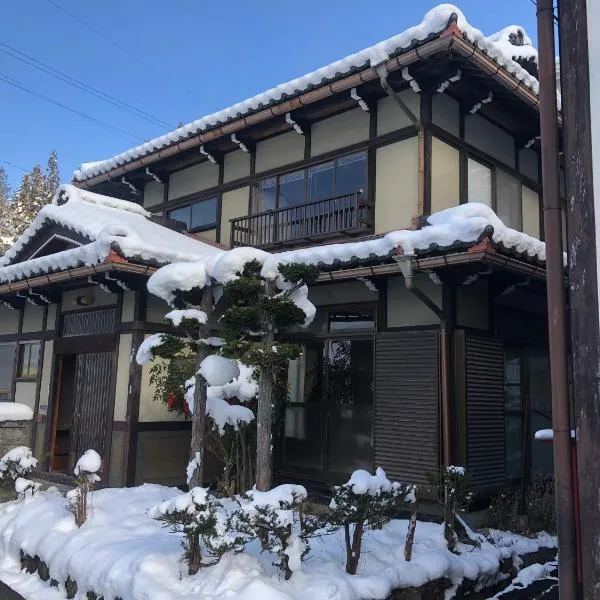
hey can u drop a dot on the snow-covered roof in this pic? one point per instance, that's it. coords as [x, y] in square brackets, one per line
[498, 46]
[108, 223]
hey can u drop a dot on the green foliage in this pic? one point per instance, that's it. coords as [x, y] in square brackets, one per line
[298, 272]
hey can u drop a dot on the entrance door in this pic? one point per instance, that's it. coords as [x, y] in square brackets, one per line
[329, 419]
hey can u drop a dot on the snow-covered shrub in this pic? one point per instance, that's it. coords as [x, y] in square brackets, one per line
[26, 488]
[365, 502]
[17, 462]
[453, 487]
[86, 475]
[280, 520]
[201, 518]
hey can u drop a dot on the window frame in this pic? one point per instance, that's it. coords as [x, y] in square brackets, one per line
[20, 352]
[189, 205]
[305, 171]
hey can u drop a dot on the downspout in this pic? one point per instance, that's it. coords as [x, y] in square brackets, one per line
[406, 267]
[563, 472]
[383, 80]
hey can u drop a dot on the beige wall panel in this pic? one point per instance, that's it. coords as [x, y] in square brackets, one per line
[405, 309]
[472, 306]
[445, 175]
[51, 323]
[391, 117]
[33, 318]
[193, 179]
[101, 298]
[234, 204]
[236, 165]
[128, 306]
[116, 476]
[156, 309]
[397, 184]
[531, 212]
[153, 193]
[151, 410]
[122, 384]
[336, 132]
[496, 142]
[209, 234]
[446, 113]
[279, 150]
[25, 393]
[343, 292]
[9, 320]
[46, 376]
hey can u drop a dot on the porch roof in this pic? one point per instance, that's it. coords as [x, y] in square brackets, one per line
[501, 49]
[105, 230]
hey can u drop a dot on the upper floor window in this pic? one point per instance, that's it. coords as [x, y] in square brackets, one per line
[198, 215]
[339, 177]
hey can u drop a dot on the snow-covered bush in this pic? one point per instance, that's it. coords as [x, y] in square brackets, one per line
[201, 518]
[365, 502]
[453, 487]
[26, 488]
[17, 462]
[86, 475]
[280, 520]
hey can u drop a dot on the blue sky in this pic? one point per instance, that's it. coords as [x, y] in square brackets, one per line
[213, 54]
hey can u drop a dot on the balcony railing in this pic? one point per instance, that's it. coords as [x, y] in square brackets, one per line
[347, 214]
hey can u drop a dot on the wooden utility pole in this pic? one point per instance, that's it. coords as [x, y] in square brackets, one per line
[579, 69]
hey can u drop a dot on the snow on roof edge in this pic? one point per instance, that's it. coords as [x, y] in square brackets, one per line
[434, 22]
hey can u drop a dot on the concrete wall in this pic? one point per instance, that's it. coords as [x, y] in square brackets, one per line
[391, 117]
[153, 193]
[342, 130]
[404, 309]
[234, 204]
[9, 320]
[193, 179]
[397, 185]
[236, 165]
[279, 151]
[33, 318]
[14, 433]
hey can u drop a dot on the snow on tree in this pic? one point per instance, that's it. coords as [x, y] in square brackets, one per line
[365, 501]
[86, 476]
[17, 462]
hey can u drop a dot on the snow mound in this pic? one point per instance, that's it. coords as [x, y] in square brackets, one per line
[218, 370]
[17, 461]
[145, 353]
[181, 276]
[89, 462]
[192, 314]
[363, 483]
[13, 411]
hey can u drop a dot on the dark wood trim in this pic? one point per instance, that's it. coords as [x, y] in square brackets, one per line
[382, 287]
[52, 414]
[307, 140]
[119, 425]
[372, 162]
[38, 389]
[82, 344]
[460, 396]
[252, 162]
[26, 337]
[164, 426]
[132, 413]
[145, 326]
[415, 327]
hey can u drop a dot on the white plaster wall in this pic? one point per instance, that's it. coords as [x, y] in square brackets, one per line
[25, 393]
[236, 165]
[391, 117]
[193, 179]
[531, 211]
[46, 376]
[405, 309]
[156, 308]
[234, 204]
[445, 175]
[128, 306]
[446, 113]
[279, 150]
[33, 318]
[496, 142]
[342, 292]
[51, 318]
[151, 410]
[396, 186]
[9, 320]
[342, 130]
[101, 298]
[122, 383]
[153, 193]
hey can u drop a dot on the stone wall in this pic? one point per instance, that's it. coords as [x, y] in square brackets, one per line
[14, 433]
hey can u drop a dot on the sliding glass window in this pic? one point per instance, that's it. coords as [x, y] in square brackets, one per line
[198, 215]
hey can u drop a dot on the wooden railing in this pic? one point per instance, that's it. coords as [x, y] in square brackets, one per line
[290, 225]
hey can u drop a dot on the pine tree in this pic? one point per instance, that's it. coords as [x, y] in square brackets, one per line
[4, 186]
[52, 178]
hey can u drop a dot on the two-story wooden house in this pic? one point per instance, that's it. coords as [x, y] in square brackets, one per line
[412, 361]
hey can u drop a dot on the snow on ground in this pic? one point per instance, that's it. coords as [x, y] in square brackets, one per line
[13, 411]
[120, 551]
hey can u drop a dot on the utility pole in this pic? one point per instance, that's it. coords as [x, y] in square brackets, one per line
[563, 472]
[580, 79]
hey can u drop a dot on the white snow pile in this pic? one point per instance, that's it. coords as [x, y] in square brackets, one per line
[218, 370]
[498, 46]
[191, 314]
[17, 462]
[107, 223]
[89, 462]
[514, 42]
[122, 552]
[26, 487]
[13, 411]
[181, 276]
[525, 577]
[145, 352]
[279, 500]
[363, 483]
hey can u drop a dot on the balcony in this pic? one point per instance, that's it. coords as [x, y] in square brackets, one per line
[341, 215]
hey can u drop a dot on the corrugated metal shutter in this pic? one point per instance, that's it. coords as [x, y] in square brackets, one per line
[89, 322]
[406, 429]
[485, 412]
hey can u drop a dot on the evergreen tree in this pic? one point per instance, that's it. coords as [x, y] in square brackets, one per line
[4, 186]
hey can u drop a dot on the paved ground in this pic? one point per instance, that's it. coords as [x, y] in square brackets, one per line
[7, 594]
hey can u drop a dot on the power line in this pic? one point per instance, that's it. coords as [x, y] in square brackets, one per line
[16, 84]
[40, 66]
[123, 48]
[7, 162]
